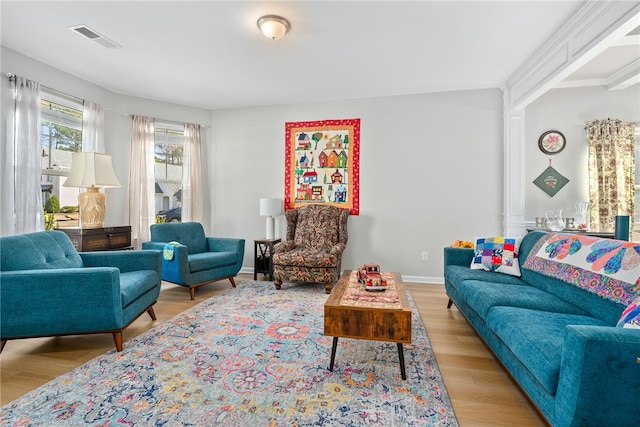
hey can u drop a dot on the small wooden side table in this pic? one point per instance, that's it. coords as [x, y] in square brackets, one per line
[263, 257]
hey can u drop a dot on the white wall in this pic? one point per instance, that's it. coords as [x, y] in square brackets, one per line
[568, 110]
[117, 127]
[431, 173]
[431, 165]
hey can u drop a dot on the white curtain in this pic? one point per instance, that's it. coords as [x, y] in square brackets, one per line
[192, 174]
[93, 127]
[140, 209]
[21, 210]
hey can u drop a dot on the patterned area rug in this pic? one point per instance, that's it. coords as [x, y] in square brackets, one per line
[250, 356]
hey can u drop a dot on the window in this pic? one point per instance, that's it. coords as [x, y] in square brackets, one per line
[60, 136]
[169, 149]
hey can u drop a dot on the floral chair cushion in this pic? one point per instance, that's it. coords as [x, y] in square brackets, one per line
[303, 257]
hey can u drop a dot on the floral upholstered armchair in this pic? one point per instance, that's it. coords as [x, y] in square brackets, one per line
[316, 238]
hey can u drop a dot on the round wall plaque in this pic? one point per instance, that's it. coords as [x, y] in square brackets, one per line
[551, 142]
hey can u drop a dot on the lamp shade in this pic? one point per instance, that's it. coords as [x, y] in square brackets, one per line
[270, 207]
[90, 169]
[273, 27]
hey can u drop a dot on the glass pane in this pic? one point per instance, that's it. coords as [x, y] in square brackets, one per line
[168, 153]
[60, 136]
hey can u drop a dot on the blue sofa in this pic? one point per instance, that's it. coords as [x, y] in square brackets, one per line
[191, 259]
[557, 340]
[47, 288]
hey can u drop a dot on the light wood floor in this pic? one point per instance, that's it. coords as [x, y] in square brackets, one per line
[481, 392]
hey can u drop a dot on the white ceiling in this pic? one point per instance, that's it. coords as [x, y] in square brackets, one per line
[210, 54]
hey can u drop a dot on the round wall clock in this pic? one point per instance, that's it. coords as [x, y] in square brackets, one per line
[551, 142]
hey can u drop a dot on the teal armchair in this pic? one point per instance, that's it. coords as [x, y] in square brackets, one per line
[191, 259]
[47, 288]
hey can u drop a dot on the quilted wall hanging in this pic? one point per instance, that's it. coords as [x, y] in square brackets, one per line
[322, 163]
[550, 181]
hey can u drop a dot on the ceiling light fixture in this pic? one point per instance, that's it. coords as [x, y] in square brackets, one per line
[273, 27]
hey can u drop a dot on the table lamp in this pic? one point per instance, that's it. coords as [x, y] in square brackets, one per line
[91, 171]
[270, 208]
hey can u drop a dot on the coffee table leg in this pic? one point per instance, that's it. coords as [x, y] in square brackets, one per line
[401, 356]
[333, 352]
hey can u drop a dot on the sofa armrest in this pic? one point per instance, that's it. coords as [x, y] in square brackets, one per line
[458, 256]
[125, 261]
[599, 371]
[57, 301]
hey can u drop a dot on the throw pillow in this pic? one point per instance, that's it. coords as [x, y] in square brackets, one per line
[630, 317]
[499, 254]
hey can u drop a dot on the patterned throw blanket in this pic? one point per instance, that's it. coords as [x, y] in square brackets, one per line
[167, 251]
[606, 267]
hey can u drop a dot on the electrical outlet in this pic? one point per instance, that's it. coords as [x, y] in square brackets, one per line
[425, 256]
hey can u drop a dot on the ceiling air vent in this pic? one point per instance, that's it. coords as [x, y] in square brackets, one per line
[95, 36]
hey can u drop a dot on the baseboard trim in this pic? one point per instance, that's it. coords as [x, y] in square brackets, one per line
[411, 279]
[423, 279]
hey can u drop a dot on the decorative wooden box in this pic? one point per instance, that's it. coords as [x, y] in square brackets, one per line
[99, 239]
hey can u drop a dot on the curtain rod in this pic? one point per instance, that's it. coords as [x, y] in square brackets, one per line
[58, 92]
[597, 120]
[176, 122]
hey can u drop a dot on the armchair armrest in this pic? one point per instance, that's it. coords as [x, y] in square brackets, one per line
[226, 244]
[125, 261]
[175, 270]
[39, 302]
[458, 256]
[599, 370]
[154, 245]
[337, 249]
[285, 246]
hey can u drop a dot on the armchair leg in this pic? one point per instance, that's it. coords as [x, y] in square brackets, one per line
[152, 313]
[233, 282]
[328, 287]
[117, 337]
[3, 342]
[449, 303]
[278, 284]
[192, 292]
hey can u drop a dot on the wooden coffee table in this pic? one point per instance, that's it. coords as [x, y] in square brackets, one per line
[353, 312]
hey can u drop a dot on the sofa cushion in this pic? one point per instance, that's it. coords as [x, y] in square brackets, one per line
[209, 260]
[536, 338]
[37, 251]
[482, 296]
[455, 274]
[303, 257]
[136, 283]
[499, 254]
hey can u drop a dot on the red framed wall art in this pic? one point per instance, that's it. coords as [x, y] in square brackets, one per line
[322, 162]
